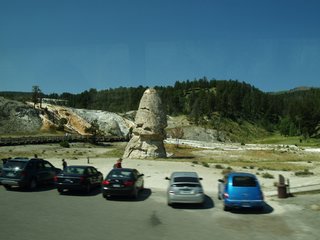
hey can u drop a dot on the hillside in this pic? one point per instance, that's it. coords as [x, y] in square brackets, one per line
[19, 118]
[23, 119]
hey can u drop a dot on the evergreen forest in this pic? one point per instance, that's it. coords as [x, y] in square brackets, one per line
[206, 102]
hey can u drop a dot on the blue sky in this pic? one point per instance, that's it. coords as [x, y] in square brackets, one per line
[74, 45]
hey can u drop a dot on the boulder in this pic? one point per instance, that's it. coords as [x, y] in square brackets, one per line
[148, 132]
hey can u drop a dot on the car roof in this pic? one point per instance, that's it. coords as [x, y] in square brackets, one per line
[125, 169]
[19, 159]
[244, 174]
[79, 166]
[184, 174]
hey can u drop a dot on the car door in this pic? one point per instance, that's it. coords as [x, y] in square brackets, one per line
[48, 171]
[40, 172]
[96, 176]
[138, 178]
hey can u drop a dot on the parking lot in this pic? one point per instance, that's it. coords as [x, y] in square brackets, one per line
[45, 214]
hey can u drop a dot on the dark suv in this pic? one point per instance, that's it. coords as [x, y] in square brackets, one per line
[27, 173]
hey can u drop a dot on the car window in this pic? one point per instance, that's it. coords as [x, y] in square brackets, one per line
[185, 179]
[92, 171]
[74, 170]
[15, 165]
[191, 185]
[244, 181]
[118, 173]
[47, 165]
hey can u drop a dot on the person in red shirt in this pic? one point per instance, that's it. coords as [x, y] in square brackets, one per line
[118, 163]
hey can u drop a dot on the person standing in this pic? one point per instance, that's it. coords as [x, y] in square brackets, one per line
[118, 164]
[64, 164]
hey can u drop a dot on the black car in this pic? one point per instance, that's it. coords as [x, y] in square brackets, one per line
[83, 178]
[122, 182]
[27, 173]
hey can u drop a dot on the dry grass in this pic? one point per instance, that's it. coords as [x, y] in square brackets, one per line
[259, 160]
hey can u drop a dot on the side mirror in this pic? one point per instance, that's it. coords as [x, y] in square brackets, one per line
[141, 175]
[167, 178]
[220, 180]
[200, 178]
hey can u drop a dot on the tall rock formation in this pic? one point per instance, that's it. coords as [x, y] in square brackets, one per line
[148, 133]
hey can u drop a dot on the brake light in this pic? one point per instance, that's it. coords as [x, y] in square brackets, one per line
[128, 183]
[105, 182]
[82, 179]
[225, 195]
[55, 178]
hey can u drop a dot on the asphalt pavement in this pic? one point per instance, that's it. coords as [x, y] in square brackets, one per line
[46, 215]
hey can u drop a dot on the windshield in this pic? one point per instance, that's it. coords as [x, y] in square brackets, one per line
[15, 165]
[75, 170]
[190, 185]
[186, 179]
[244, 181]
[119, 173]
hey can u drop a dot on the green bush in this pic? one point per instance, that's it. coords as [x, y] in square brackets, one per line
[218, 166]
[64, 144]
[267, 175]
[306, 172]
[205, 164]
[226, 171]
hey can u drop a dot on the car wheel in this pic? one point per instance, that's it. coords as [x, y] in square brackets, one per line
[107, 197]
[226, 208]
[88, 188]
[60, 190]
[33, 184]
[135, 194]
[7, 187]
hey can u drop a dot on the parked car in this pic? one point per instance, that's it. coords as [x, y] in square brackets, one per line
[83, 178]
[122, 182]
[240, 190]
[27, 173]
[185, 187]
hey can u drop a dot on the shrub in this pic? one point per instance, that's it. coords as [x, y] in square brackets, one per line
[64, 144]
[195, 162]
[226, 171]
[306, 172]
[267, 175]
[205, 164]
[218, 166]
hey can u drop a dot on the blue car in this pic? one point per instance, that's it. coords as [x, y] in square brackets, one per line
[240, 190]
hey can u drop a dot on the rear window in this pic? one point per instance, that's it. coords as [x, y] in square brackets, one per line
[186, 179]
[191, 185]
[119, 173]
[244, 181]
[75, 170]
[15, 165]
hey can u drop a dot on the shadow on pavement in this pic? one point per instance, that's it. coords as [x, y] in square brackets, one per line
[267, 209]
[143, 195]
[94, 192]
[208, 203]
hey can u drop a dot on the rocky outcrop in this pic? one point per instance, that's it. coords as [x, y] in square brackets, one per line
[18, 118]
[148, 133]
[109, 123]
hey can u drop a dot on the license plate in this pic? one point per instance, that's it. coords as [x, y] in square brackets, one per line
[10, 174]
[185, 192]
[116, 185]
[68, 181]
[245, 205]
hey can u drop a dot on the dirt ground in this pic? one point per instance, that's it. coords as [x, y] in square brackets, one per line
[103, 157]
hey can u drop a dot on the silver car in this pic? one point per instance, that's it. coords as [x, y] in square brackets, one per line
[185, 187]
